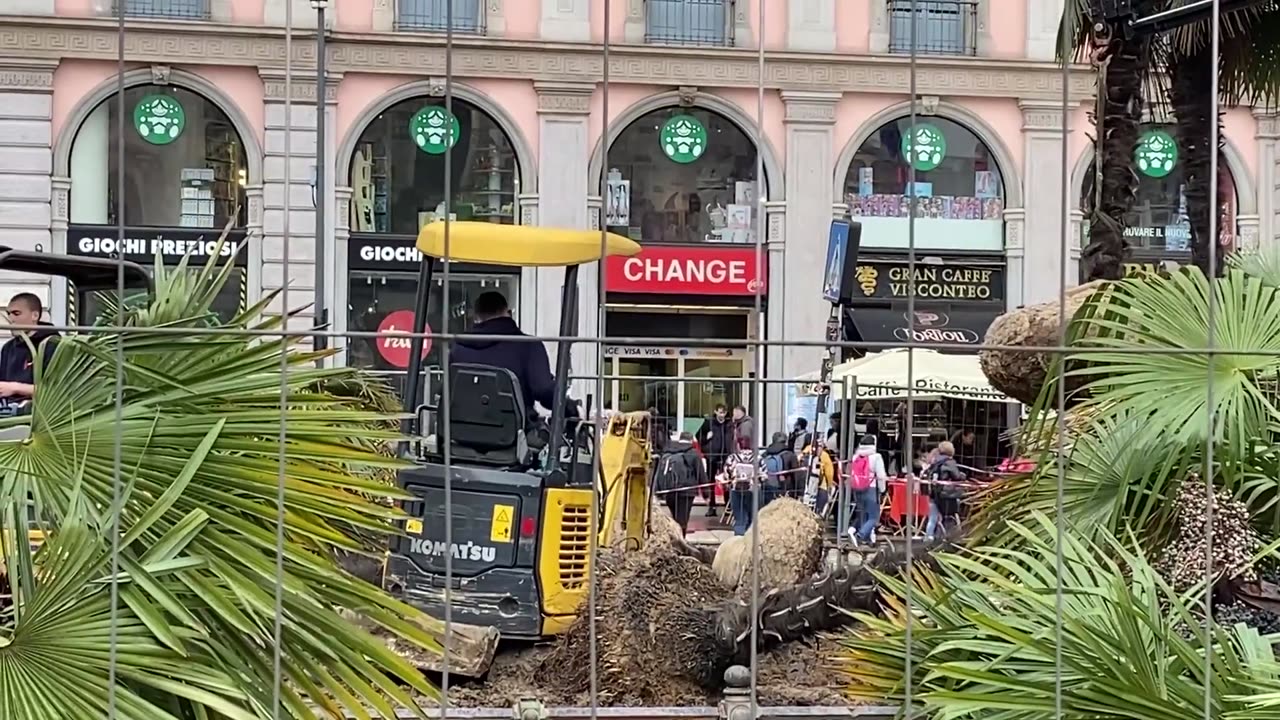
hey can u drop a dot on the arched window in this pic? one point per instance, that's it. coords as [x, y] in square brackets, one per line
[397, 186]
[959, 190]
[1157, 226]
[185, 172]
[682, 175]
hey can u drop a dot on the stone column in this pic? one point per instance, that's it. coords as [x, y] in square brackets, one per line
[811, 26]
[563, 157]
[796, 309]
[565, 21]
[1015, 231]
[30, 7]
[1043, 271]
[304, 16]
[1043, 19]
[26, 164]
[1268, 135]
[292, 178]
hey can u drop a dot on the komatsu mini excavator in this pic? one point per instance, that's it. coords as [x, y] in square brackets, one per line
[509, 550]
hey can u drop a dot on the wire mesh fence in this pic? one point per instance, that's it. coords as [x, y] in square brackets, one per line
[206, 516]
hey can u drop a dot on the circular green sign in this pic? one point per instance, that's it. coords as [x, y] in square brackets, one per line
[924, 147]
[434, 129]
[159, 119]
[683, 139]
[1156, 154]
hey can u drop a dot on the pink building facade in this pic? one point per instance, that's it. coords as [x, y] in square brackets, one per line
[214, 131]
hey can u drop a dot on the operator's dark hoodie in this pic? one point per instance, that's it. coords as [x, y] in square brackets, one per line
[526, 360]
[15, 357]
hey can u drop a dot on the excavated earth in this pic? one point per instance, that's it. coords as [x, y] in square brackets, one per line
[660, 635]
[797, 674]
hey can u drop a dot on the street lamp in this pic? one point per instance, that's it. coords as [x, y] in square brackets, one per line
[321, 310]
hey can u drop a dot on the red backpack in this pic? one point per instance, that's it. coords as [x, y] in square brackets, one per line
[860, 473]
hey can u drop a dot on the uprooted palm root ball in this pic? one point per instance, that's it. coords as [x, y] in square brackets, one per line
[1020, 373]
[790, 548]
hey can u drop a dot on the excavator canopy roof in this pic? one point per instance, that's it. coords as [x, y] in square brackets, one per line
[521, 245]
[88, 273]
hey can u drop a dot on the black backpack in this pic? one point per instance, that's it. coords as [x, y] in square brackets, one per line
[671, 473]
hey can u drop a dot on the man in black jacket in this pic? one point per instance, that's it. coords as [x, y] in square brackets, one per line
[17, 366]
[526, 360]
[677, 473]
[716, 439]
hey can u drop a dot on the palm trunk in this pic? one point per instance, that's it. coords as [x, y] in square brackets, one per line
[1191, 97]
[1121, 111]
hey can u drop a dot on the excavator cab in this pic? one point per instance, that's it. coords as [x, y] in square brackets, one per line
[516, 497]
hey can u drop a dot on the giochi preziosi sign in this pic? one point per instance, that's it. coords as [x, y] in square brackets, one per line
[141, 244]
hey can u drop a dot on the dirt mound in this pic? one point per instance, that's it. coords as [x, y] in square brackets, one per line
[653, 609]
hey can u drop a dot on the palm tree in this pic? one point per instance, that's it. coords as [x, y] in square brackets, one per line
[1177, 66]
[159, 586]
[1122, 60]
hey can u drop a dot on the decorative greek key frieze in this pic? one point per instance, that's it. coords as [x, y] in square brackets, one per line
[174, 44]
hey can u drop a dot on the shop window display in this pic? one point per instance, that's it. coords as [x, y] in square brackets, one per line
[184, 181]
[682, 175]
[185, 163]
[381, 301]
[1157, 223]
[959, 192]
[398, 169]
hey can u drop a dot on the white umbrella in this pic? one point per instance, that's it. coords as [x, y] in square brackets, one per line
[883, 375]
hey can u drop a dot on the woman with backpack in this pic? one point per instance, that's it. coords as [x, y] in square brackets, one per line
[742, 471]
[941, 476]
[867, 479]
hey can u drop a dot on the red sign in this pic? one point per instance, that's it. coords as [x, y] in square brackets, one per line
[685, 270]
[395, 350]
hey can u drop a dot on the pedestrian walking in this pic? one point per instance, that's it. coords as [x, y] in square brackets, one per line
[677, 474]
[716, 439]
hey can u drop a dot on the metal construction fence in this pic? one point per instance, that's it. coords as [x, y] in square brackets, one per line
[178, 495]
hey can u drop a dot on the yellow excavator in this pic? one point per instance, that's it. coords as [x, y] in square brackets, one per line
[500, 519]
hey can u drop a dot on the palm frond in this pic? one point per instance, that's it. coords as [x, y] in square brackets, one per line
[984, 641]
[197, 433]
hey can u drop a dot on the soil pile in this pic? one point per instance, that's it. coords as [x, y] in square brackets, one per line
[653, 645]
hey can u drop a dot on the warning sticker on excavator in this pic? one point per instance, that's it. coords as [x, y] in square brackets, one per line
[500, 527]
[413, 526]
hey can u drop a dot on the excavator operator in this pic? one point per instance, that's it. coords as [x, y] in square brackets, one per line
[526, 360]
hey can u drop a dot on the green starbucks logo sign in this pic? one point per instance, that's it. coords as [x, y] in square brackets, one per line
[683, 139]
[159, 119]
[434, 129]
[1157, 153]
[924, 147]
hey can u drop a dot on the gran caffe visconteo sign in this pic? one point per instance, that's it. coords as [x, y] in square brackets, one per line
[934, 282]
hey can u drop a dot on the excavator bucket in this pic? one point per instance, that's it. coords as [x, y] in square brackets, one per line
[471, 651]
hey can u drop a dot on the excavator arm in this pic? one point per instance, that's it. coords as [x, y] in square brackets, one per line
[625, 464]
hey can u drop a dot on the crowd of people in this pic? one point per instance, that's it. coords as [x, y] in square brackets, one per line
[799, 463]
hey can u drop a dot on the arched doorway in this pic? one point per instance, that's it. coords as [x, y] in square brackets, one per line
[398, 182]
[184, 179]
[1156, 227]
[685, 183]
[940, 171]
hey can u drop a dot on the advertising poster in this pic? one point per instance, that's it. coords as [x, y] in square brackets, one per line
[837, 246]
[866, 180]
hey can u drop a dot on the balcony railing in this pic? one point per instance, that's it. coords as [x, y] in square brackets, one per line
[433, 15]
[171, 9]
[942, 27]
[689, 22]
